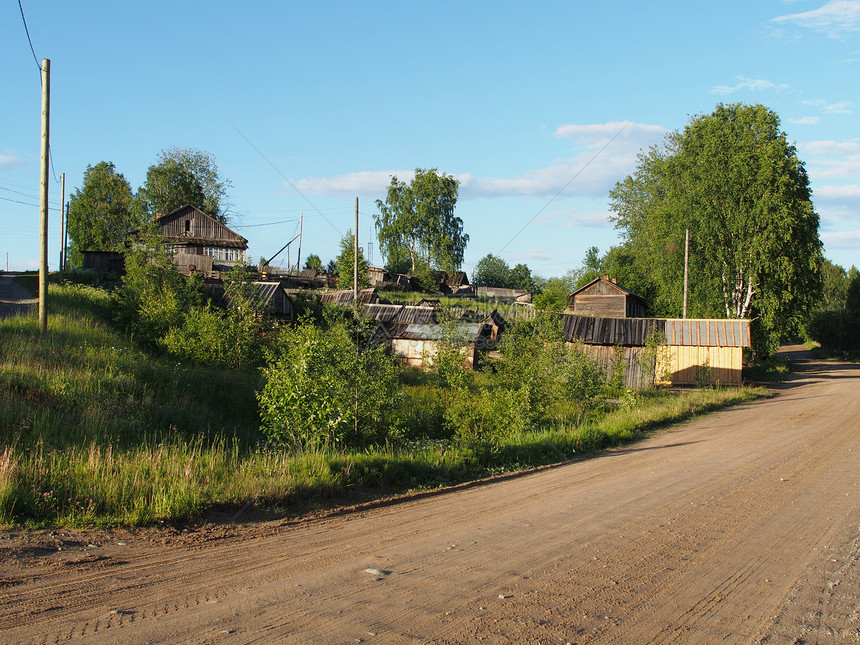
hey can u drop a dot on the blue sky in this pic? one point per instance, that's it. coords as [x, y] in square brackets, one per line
[537, 108]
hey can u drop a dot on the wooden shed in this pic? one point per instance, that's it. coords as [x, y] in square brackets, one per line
[604, 297]
[418, 345]
[694, 349]
[403, 314]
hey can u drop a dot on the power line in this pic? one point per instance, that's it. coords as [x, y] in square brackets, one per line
[563, 188]
[295, 188]
[286, 221]
[24, 20]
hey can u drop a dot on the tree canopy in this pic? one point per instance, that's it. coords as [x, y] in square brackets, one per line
[346, 264]
[100, 212]
[183, 176]
[733, 179]
[416, 221]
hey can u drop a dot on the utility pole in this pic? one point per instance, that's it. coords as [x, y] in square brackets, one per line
[62, 221]
[43, 196]
[299, 259]
[355, 258]
[686, 269]
[66, 237]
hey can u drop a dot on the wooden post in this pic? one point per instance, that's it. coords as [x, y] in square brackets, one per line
[686, 269]
[62, 221]
[299, 259]
[43, 196]
[355, 259]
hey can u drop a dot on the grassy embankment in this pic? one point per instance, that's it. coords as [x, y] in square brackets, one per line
[94, 430]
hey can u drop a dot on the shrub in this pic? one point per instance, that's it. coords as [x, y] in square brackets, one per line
[323, 390]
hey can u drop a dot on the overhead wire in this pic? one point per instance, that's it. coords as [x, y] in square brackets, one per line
[286, 179]
[563, 188]
[29, 40]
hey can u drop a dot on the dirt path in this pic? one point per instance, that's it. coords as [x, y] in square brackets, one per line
[14, 298]
[742, 527]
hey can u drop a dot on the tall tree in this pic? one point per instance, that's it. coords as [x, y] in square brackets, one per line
[417, 221]
[183, 176]
[100, 212]
[733, 179]
[492, 271]
[346, 264]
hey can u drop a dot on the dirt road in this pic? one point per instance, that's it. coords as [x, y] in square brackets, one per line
[742, 527]
[13, 297]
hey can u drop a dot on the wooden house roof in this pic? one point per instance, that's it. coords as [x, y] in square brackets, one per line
[606, 285]
[634, 331]
[405, 314]
[344, 297]
[469, 332]
[190, 225]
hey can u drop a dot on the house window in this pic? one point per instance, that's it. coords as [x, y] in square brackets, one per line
[188, 226]
[224, 254]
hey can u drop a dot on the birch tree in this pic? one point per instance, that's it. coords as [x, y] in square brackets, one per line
[735, 181]
[416, 223]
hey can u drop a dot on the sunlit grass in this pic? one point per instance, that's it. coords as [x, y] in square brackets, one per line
[96, 431]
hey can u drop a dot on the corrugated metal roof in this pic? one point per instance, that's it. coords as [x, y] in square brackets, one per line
[469, 332]
[344, 297]
[401, 314]
[708, 333]
[634, 331]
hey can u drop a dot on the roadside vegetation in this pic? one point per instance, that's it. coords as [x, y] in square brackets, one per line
[110, 418]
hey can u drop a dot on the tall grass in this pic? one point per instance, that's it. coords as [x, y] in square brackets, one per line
[96, 430]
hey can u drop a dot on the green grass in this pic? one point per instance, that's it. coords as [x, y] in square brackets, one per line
[95, 430]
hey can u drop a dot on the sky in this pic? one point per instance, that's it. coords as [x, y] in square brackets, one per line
[537, 108]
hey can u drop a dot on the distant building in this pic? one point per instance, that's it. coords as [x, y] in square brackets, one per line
[604, 297]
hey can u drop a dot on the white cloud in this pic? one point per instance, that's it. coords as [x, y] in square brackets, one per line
[843, 240]
[750, 84]
[829, 159]
[10, 161]
[590, 172]
[353, 183]
[806, 120]
[834, 19]
[843, 107]
[599, 134]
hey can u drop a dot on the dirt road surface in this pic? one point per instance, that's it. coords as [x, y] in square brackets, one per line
[741, 527]
[13, 297]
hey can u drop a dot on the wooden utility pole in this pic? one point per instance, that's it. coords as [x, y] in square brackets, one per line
[299, 259]
[355, 258]
[686, 269]
[62, 221]
[43, 196]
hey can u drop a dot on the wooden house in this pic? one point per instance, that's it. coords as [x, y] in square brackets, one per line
[692, 350]
[200, 242]
[418, 345]
[605, 298]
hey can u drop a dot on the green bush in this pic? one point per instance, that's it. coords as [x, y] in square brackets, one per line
[324, 391]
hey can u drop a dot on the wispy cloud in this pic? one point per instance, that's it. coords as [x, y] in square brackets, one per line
[595, 171]
[806, 120]
[835, 18]
[832, 159]
[361, 183]
[10, 161]
[842, 240]
[751, 85]
[843, 107]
